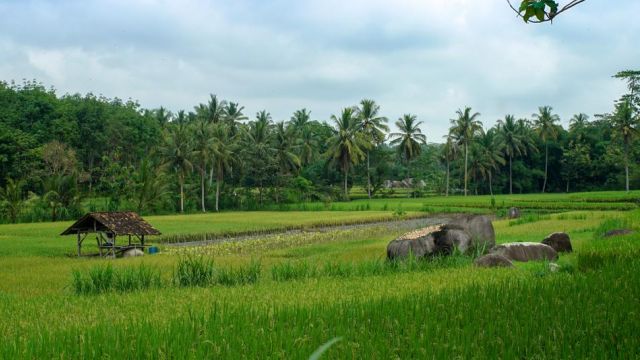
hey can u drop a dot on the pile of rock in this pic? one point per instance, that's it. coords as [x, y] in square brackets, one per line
[461, 232]
[471, 231]
[548, 249]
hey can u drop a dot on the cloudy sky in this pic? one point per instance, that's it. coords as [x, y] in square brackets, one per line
[427, 57]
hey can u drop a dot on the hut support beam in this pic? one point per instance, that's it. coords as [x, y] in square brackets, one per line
[80, 240]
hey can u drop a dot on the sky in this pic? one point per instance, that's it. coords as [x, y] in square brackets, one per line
[428, 57]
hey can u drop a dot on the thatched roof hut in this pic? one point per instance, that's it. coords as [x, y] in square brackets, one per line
[109, 225]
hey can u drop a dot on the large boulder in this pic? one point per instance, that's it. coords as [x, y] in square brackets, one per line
[513, 213]
[559, 241]
[132, 253]
[479, 227]
[493, 260]
[526, 251]
[420, 243]
[450, 237]
[432, 240]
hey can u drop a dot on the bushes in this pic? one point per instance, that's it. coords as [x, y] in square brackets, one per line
[242, 275]
[194, 271]
[611, 224]
[200, 271]
[104, 278]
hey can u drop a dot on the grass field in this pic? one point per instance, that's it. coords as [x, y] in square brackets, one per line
[444, 309]
[607, 200]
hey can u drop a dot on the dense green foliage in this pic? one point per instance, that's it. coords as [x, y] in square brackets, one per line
[63, 155]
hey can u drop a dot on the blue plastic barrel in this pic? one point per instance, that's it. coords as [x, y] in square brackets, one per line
[153, 250]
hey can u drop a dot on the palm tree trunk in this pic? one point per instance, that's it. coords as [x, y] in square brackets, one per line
[181, 193]
[490, 184]
[346, 191]
[218, 181]
[626, 170]
[626, 165]
[466, 157]
[510, 175]
[447, 191]
[368, 176]
[546, 163]
[202, 176]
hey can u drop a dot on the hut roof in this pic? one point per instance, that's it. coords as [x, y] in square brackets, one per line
[120, 223]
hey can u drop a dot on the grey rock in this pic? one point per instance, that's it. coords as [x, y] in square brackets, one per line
[432, 240]
[618, 232]
[493, 260]
[526, 251]
[513, 213]
[559, 241]
[479, 227]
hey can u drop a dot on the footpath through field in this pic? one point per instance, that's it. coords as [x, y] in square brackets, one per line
[396, 224]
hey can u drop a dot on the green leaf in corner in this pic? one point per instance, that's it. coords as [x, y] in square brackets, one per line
[540, 14]
[553, 5]
[528, 14]
[523, 5]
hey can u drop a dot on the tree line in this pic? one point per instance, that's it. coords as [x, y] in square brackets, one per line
[62, 155]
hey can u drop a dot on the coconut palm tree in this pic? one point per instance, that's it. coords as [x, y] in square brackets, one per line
[464, 130]
[285, 148]
[487, 156]
[258, 147]
[300, 119]
[213, 112]
[162, 116]
[203, 148]
[410, 138]
[374, 127]
[233, 116]
[449, 150]
[348, 145]
[215, 109]
[307, 145]
[545, 126]
[177, 151]
[224, 155]
[625, 129]
[149, 184]
[513, 143]
[578, 126]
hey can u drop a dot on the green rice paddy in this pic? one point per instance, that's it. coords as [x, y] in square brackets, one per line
[284, 295]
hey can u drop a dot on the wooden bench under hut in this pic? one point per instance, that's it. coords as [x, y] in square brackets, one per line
[110, 227]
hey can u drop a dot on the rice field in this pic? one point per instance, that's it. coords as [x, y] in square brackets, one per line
[284, 295]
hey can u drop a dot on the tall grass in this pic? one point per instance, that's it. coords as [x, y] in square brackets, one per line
[104, 278]
[200, 271]
[291, 270]
[555, 316]
[194, 271]
[241, 275]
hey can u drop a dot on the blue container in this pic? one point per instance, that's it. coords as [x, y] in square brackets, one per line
[153, 250]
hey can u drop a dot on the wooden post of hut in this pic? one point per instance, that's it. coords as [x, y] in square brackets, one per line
[111, 224]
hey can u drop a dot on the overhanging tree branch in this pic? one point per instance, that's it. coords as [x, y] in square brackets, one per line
[546, 15]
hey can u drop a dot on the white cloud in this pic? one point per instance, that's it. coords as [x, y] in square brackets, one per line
[412, 56]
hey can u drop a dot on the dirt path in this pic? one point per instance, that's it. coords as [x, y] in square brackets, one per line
[408, 224]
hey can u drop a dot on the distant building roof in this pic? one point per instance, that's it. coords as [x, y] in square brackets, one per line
[120, 223]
